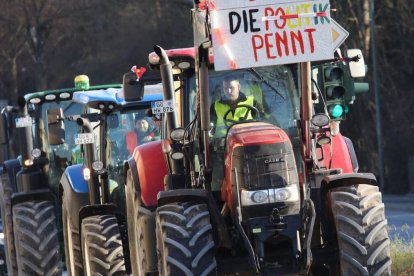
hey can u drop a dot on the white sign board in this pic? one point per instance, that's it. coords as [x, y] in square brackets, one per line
[162, 106]
[270, 34]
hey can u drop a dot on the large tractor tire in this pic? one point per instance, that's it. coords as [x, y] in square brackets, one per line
[36, 238]
[102, 246]
[73, 256]
[185, 240]
[141, 242]
[361, 228]
[6, 190]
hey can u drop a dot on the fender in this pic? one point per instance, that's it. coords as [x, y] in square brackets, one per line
[76, 190]
[346, 179]
[41, 194]
[352, 154]
[341, 155]
[12, 167]
[149, 171]
[74, 175]
[130, 164]
[330, 182]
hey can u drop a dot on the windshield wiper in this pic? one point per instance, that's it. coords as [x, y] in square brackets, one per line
[266, 82]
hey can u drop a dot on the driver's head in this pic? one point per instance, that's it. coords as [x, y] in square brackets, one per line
[231, 88]
[141, 125]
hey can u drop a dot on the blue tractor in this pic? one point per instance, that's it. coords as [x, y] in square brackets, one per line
[92, 193]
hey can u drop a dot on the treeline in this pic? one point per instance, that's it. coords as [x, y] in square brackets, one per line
[45, 43]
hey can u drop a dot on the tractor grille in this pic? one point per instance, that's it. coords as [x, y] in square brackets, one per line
[265, 166]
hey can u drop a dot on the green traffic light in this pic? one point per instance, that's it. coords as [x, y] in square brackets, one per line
[336, 110]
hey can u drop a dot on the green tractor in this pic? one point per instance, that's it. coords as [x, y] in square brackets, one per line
[28, 184]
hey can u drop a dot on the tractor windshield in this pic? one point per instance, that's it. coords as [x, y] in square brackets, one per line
[125, 131]
[272, 90]
[60, 156]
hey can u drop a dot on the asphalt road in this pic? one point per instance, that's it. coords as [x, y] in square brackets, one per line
[399, 210]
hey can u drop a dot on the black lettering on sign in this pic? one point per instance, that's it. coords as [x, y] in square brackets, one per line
[234, 16]
[252, 20]
[247, 18]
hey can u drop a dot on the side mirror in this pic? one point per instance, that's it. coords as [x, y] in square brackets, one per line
[133, 89]
[4, 134]
[113, 121]
[56, 127]
[356, 68]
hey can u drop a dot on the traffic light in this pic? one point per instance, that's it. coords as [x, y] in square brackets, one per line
[334, 90]
[337, 86]
[352, 88]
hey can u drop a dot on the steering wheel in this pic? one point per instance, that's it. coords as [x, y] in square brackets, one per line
[250, 110]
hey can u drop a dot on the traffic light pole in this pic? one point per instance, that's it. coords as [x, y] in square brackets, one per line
[377, 98]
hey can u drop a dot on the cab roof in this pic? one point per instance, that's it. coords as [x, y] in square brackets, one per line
[111, 98]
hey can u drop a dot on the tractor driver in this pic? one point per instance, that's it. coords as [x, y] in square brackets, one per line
[142, 133]
[230, 99]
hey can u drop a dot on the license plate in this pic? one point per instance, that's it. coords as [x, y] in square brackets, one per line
[24, 122]
[83, 138]
[162, 107]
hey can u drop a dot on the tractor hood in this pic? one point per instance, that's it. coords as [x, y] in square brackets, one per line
[247, 134]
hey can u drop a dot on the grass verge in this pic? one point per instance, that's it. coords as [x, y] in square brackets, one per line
[402, 252]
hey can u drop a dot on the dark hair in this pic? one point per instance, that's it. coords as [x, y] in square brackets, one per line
[137, 118]
[230, 78]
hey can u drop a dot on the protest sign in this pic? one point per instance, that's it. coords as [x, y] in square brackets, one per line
[270, 33]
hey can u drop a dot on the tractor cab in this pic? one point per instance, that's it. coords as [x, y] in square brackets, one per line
[118, 126]
[59, 155]
[267, 97]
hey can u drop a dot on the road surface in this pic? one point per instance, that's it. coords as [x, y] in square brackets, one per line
[399, 210]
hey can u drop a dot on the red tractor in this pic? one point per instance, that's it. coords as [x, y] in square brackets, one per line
[276, 192]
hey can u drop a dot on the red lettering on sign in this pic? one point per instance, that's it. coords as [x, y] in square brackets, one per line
[297, 38]
[310, 38]
[280, 12]
[268, 12]
[256, 46]
[268, 46]
[282, 41]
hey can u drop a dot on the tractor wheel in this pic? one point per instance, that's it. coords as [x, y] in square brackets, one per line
[185, 244]
[73, 256]
[36, 238]
[102, 252]
[6, 190]
[361, 228]
[143, 259]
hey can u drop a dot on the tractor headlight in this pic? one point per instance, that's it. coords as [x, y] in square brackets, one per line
[282, 194]
[254, 197]
[50, 97]
[28, 162]
[86, 174]
[287, 194]
[260, 197]
[64, 95]
[97, 165]
[36, 153]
